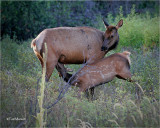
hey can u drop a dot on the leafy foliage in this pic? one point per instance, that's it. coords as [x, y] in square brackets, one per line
[26, 19]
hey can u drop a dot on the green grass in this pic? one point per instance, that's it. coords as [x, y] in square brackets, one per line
[115, 103]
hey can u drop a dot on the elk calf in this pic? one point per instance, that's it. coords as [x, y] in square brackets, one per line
[103, 71]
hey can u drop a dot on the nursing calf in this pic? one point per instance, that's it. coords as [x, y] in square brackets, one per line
[103, 71]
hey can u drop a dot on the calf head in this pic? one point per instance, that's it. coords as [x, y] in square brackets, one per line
[111, 36]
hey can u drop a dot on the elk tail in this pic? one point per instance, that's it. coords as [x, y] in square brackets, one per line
[37, 51]
[33, 43]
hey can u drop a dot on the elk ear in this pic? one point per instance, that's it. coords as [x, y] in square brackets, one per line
[105, 23]
[120, 23]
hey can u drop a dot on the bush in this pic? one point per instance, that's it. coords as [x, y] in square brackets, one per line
[137, 30]
[25, 19]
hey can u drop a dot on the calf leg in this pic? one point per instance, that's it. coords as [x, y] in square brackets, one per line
[90, 93]
[87, 93]
[127, 76]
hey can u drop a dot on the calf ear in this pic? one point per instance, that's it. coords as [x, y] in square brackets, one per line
[120, 23]
[105, 23]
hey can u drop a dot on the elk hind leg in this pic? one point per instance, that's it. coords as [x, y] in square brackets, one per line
[50, 65]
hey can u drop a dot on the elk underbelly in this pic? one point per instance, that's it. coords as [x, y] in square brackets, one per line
[72, 59]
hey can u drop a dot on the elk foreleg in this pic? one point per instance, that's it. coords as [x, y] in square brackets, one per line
[127, 76]
[90, 93]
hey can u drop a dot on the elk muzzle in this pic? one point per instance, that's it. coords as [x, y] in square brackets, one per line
[103, 48]
[105, 45]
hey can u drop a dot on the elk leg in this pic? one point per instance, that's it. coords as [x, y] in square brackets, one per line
[87, 93]
[124, 76]
[80, 93]
[90, 92]
[40, 59]
[63, 72]
[50, 65]
[127, 76]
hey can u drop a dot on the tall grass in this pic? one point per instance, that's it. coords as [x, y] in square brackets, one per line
[41, 115]
[114, 104]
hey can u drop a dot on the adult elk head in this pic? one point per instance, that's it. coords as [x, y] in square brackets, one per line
[111, 36]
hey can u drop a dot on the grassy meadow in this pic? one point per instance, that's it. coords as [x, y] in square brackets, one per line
[115, 104]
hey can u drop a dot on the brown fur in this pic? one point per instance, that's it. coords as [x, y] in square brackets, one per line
[103, 71]
[70, 45]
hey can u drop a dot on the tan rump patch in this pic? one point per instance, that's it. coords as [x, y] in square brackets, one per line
[39, 41]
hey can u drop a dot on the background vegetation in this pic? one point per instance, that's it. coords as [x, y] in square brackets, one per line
[26, 19]
[115, 103]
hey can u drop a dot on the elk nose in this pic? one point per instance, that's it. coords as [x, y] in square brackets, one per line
[104, 48]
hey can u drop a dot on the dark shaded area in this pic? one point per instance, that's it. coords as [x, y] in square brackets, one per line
[25, 19]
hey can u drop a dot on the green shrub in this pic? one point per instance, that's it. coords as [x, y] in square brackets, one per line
[9, 53]
[137, 30]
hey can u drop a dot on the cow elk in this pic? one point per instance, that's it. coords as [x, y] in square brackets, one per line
[74, 45]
